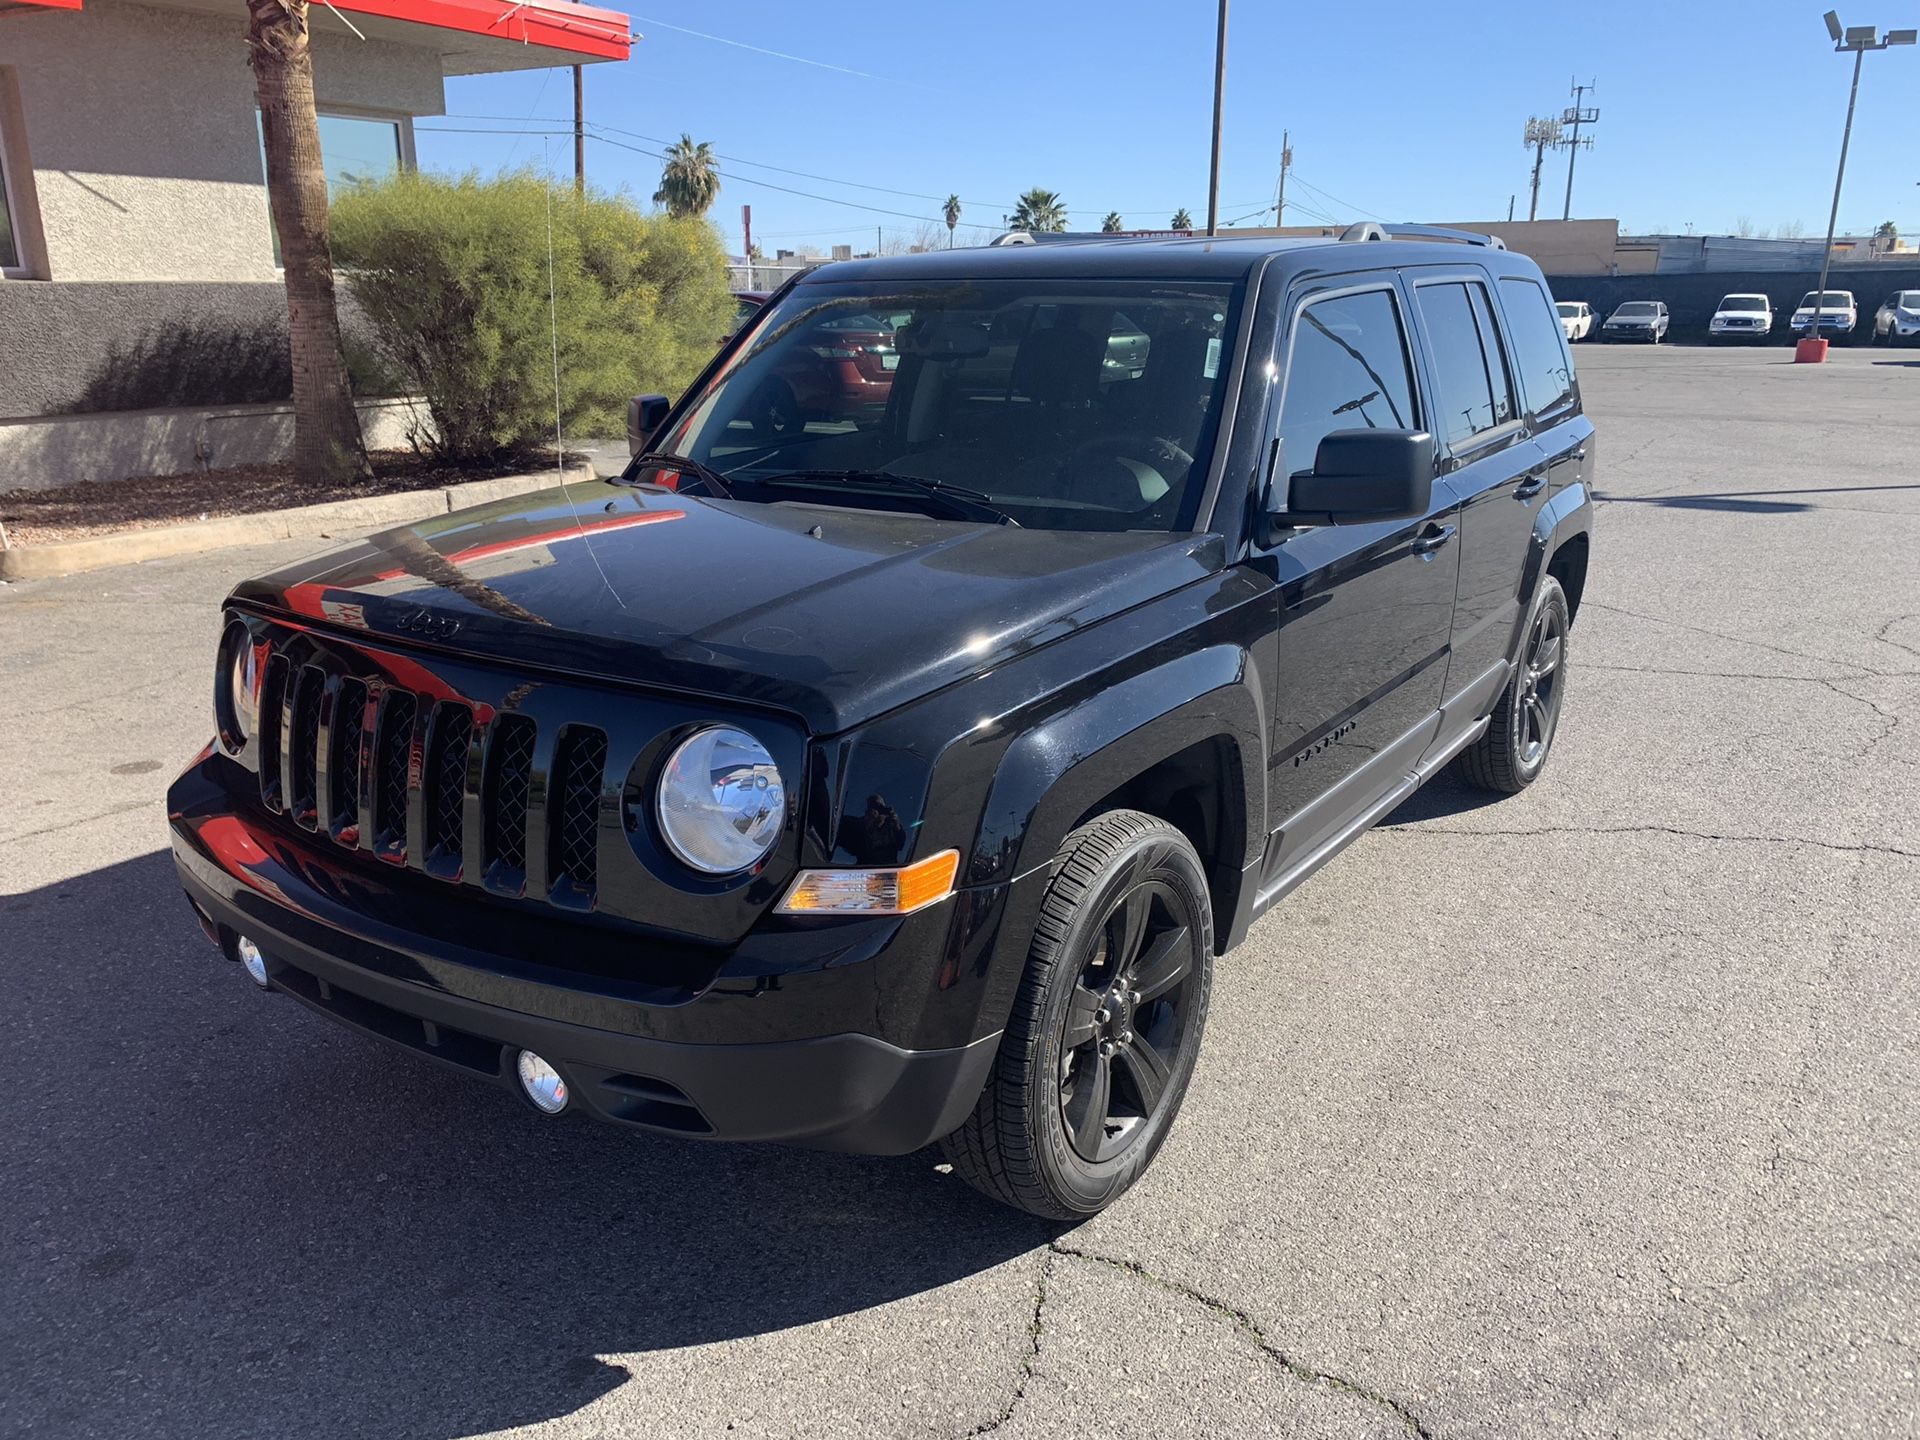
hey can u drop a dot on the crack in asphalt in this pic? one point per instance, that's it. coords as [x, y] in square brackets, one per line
[1423, 828]
[1743, 639]
[1031, 1360]
[1248, 1326]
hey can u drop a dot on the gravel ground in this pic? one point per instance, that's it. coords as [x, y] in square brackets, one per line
[1591, 1112]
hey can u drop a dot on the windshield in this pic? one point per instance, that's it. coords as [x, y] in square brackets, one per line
[1067, 405]
[1744, 302]
[1835, 299]
[1568, 309]
[1634, 309]
[1908, 300]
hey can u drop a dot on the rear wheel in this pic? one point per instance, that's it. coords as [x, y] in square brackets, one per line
[774, 413]
[1513, 751]
[1105, 1029]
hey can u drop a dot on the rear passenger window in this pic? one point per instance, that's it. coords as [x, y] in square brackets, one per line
[1348, 370]
[1475, 393]
[1539, 344]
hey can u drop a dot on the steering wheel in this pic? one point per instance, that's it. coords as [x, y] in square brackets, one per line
[1161, 455]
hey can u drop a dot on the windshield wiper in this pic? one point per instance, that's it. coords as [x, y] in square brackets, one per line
[959, 500]
[712, 478]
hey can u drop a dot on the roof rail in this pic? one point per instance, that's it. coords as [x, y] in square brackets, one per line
[1374, 230]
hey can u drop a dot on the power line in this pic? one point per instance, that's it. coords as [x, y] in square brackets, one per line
[1299, 179]
[989, 206]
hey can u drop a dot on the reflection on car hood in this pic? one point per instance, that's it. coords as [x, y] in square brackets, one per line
[728, 598]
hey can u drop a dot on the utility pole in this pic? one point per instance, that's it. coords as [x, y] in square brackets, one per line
[1542, 134]
[1219, 93]
[579, 131]
[1576, 116]
[1286, 164]
[1510, 200]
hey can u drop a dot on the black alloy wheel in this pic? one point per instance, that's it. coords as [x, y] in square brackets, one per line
[1106, 1027]
[1538, 713]
[1125, 1021]
[1512, 751]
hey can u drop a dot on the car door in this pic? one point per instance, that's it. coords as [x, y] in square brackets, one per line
[1365, 610]
[1490, 463]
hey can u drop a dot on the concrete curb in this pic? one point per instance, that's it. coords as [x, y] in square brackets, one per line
[129, 547]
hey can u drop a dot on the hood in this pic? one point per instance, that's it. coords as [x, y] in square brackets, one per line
[834, 613]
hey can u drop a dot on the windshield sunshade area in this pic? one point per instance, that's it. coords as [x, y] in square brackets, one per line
[1742, 304]
[1067, 405]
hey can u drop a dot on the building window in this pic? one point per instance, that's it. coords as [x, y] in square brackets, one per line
[14, 185]
[354, 150]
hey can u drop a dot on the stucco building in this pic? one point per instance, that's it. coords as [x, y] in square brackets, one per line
[142, 318]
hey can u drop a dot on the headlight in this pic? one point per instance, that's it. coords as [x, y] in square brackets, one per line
[235, 682]
[721, 802]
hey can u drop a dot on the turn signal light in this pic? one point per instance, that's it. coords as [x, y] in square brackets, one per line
[873, 892]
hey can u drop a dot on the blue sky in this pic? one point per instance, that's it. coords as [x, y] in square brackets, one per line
[1710, 112]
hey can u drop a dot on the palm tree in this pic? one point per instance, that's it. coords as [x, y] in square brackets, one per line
[1040, 210]
[1886, 235]
[950, 212]
[1113, 224]
[326, 428]
[1182, 220]
[689, 182]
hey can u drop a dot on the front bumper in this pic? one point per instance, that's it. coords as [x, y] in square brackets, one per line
[766, 1044]
[1627, 332]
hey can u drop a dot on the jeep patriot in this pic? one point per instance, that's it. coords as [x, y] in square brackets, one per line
[872, 777]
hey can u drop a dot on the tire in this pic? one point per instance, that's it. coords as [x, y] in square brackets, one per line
[1122, 877]
[1514, 750]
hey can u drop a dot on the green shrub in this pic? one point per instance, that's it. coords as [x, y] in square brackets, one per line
[451, 274]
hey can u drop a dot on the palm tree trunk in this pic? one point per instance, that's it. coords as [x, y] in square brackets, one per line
[326, 430]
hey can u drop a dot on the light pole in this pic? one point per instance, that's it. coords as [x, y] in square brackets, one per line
[1859, 39]
[1219, 94]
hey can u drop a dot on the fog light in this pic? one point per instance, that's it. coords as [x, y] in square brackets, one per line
[543, 1084]
[252, 961]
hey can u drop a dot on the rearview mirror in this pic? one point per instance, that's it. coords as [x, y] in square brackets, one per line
[1360, 476]
[943, 339]
[645, 414]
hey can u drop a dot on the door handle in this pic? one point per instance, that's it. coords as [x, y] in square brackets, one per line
[1433, 537]
[1529, 487]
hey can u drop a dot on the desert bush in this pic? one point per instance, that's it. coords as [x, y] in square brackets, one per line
[452, 275]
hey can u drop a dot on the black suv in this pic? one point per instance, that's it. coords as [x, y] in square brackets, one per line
[901, 776]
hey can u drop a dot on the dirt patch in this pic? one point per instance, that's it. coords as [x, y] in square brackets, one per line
[105, 507]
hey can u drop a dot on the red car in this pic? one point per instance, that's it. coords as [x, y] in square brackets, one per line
[848, 368]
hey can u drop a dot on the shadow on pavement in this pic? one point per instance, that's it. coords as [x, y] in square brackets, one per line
[1438, 798]
[226, 1217]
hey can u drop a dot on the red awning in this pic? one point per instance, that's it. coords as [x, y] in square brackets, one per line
[472, 35]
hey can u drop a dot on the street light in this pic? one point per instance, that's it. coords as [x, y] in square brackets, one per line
[1859, 39]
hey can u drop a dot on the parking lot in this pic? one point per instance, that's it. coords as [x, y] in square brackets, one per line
[1588, 1112]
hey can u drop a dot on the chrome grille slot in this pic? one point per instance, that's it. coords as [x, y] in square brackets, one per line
[445, 777]
[343, 763]
[392, 760]
[304, 751]
[273, 694]
[573, 834]
[509, 777]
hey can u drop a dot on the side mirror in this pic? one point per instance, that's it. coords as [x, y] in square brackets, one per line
[1360, 476]
[645, 414]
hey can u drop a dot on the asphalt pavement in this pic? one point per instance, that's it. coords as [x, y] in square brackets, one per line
[1588, 1112]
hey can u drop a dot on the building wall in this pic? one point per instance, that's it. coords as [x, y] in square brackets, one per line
[141, 129]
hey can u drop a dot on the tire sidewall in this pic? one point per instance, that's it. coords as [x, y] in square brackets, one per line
[1077, 1183]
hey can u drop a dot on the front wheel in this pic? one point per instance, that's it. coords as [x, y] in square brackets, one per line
[1512, 752]
[1106, 1026]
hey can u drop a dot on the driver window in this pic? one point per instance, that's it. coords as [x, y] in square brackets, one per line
[1348, 369]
